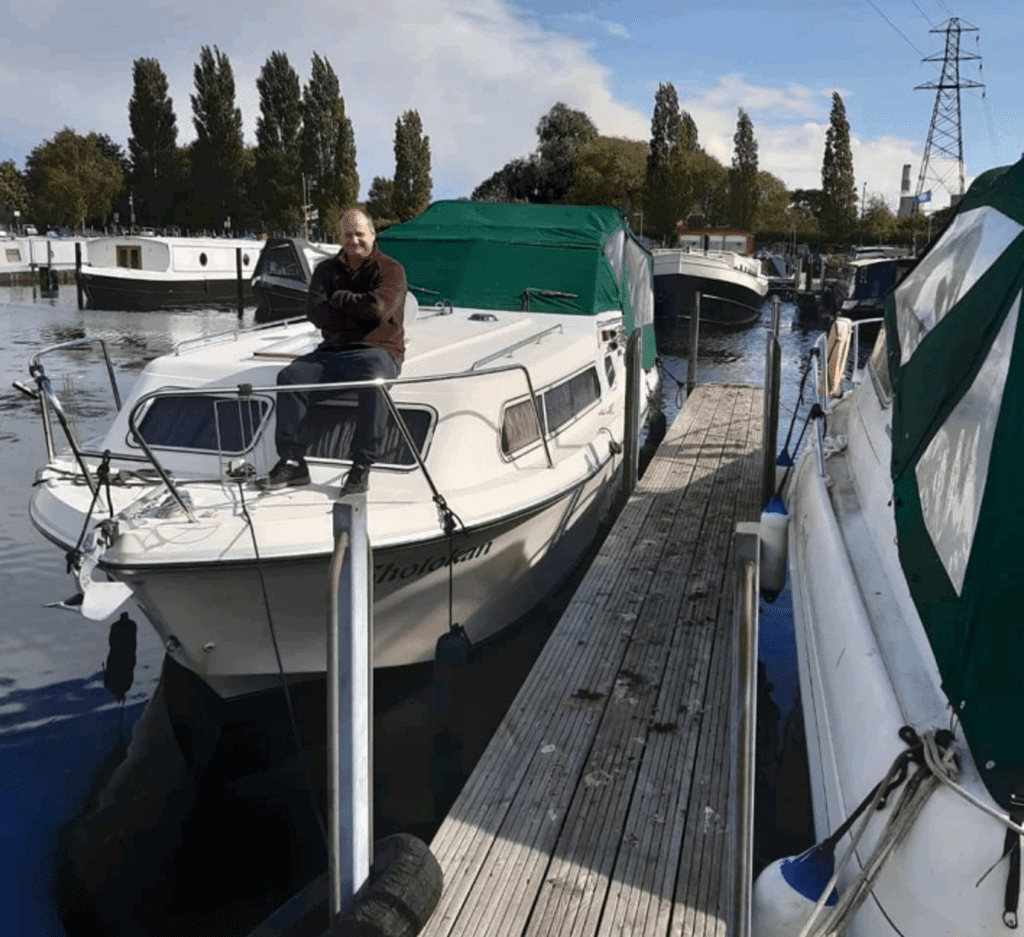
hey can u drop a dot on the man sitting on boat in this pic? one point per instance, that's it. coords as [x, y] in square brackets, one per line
[357, 298]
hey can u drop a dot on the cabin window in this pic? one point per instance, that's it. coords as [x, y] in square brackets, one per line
[245, 260]
[202, 260]
[333, 422]
[280, 260]
[129, 257]
[609, 369]
[878, 368]
[225, 425]
[13, 255]
[520, 426]
[566, 401]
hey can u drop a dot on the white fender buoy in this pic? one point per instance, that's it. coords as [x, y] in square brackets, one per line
[774, 536]
[786, 892]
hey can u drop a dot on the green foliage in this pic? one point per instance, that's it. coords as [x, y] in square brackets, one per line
[839, 213]
[516, 181]
[610, 171]
[743, 181]
[13, 192]
[218, 152]
[772, 204]
[328, 148]
[152, 144]
[709, 206]
[120, 202]
[70, 180]
[411, 188]
[278, 169]
[561, 132]
[678, 172]
[378, 199]
[878, 226]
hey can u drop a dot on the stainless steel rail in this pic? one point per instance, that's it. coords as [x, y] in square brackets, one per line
[245, 391]
[743, 726]
[515, 346]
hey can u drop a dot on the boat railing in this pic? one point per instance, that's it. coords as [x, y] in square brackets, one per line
[733, 302]
[515, 346]
[248, 391]
[230, 335]
[48, 399]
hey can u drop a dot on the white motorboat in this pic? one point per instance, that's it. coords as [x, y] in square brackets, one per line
[513, 394]
[142, 273]
[732, 285]
[905, 555]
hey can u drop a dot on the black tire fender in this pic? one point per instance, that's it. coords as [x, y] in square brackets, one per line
[401, 893]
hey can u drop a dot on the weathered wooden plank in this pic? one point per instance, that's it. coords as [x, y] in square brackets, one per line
[565, 824]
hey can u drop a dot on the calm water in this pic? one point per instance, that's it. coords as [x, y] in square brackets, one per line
[58, 724]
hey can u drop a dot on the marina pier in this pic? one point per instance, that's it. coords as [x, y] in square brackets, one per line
[601, 805]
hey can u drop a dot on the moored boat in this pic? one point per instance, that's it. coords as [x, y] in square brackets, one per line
[864, 281]
[141, 273]
[731, 285]
[907, 595]
[513, 395]
[282, 274]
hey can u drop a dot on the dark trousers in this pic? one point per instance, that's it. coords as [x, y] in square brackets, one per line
[327, 367]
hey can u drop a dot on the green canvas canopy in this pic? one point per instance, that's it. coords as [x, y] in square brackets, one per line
[548, 258]
[956, 359]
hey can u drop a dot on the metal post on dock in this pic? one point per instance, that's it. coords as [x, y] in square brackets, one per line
[78, 273]
[743, 726]
[631, 436]
[770, 414]
[350, 705]
[691, 369]
[238, 272]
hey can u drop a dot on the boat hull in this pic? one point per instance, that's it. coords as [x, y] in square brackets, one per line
[213, 620]
[865, 671]
[155, 293]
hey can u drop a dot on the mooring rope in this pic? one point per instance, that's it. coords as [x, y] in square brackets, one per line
[936, 759]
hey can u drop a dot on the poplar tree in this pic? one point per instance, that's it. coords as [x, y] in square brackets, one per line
[151, 146]
[839, 213]
[278, 164]
[743, 181]
[218, 153]
[328, 147]
[674, 171]
[411, 188]
[378, 199]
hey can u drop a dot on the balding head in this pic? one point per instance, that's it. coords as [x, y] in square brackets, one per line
[358, 236]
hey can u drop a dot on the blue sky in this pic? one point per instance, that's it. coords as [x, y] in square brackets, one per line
[482, 73]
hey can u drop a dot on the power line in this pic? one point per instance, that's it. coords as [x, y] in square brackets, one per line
[922, 12]
[894, 26]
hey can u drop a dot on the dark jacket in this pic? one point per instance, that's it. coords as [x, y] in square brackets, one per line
[364, 306]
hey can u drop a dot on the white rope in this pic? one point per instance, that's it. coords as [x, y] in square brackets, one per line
[941, 768]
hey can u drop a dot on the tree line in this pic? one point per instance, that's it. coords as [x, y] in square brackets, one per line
[303, 166]
[670, 182]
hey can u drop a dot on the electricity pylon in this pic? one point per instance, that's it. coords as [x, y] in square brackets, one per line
[945, 140]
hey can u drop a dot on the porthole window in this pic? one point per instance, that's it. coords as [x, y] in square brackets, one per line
[245, 260]
[202, 260]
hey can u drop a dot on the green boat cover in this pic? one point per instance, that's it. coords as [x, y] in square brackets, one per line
[496, 255]
[956, 359]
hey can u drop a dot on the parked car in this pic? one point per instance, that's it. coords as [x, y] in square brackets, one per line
[30, 231]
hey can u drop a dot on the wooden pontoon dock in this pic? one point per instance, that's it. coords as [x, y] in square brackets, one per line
[600, 806]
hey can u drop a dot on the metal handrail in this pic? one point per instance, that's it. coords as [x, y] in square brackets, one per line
[244, 391]
[234, 334]
[38, 373]
[515, 346]
[541, 291]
